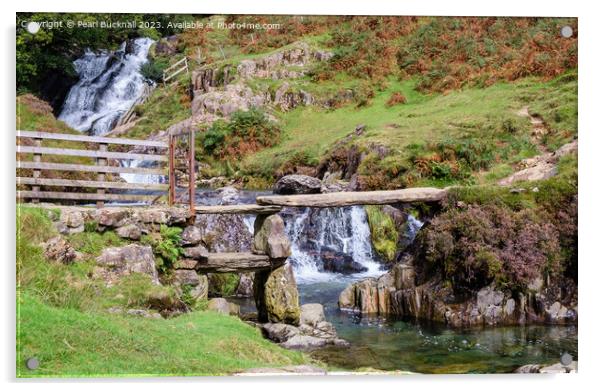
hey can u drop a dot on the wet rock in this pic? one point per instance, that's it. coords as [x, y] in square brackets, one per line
[297, 184]
[191, 236]
[338, 262]
[304, 342]
[270, 237]
[129, 259]
[276, 295]
[59, 250]
[130, 231]
[347, 298]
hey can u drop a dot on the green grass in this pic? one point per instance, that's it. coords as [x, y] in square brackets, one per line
[62, 319]
[71, 343]
[471, 113]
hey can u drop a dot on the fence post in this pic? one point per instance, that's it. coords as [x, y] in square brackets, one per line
[37, 158]
[191, 171]
[101, 162]
[171, 173]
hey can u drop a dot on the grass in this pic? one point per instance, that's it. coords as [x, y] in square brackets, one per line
[63, 319]
[71, 343]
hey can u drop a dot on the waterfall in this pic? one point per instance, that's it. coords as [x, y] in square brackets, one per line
[343, 231]
[109, 85]
[141, 178]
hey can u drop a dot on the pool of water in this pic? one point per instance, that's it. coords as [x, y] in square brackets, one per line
[426, 348]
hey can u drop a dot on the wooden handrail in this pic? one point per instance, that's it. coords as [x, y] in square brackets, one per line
[84, 196]
[88, 153]
[90, 139]
[94, 184]
[85, 168]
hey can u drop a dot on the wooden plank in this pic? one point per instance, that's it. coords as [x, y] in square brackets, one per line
[92, 184]
[238, 209]
[90, 139]
[174, 74]
[101, 162]
[36, 173]
[328, 200]
[84, 196]
[88, 153]
[174, 65]
[85, 168]
[236, 262]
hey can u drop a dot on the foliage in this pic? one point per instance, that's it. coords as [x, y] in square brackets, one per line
[166, 246]
[246, 132]
[223, 284]
[153, 69]
[397, 98]
[92, 243]
[383, 232]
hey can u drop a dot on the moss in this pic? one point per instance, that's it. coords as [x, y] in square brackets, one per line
[223, 284]
[383, 232]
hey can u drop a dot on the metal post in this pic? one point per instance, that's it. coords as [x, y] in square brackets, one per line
[171, 173]
[101, 175]
[191, 171]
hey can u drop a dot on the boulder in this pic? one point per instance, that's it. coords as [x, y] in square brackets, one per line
[304, 342]
[311, 314]
[339, 262]
[191, 236]
[347, 298]
[197, 252]
[113, 218]
[165, 302]
[279, 332]
[59, 250]
[189, 264]
[270, 237]
[72, 221]
[245, 285]
[367, 296]
[132, 258]
[130, 231]
[276, 295]
[219, 305]
[297, 184]
[404, 276]
[228, 195]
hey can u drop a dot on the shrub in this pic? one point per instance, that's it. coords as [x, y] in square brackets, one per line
[153, 69]
[246, 132]
[166, 246]
[397, 98]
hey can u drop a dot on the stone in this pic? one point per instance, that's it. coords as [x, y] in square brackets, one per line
[311, 314]
[191, 236]
[234, 309]
[279, 332]
[143, 313]
[347, 298]
[276, 295]
[304, 342]
[297, 184]
[529, 368]
[270, 237]
[165, 302]
[153, 216]
[186, 277]
[132, 258]
[197, 252]
[72, 219]
[287, 371]
[186, 264]
[228, 195]
[59, 250]
[385, 285]
[367, 296]
[130, 231]
[245, 285]
[404, 276]
[113, 218]
[339, 262]
[488, 297]
[219, 305]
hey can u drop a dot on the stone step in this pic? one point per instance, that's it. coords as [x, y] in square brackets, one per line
[237, 209]
[237, 262]
[348, 198]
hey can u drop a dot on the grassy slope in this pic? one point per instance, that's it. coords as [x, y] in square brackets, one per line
[63, 320]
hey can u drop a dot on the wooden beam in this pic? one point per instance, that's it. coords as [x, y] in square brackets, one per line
[88, 153]
[84, 196]
[236, 262]
[237, 209]
[328, 200]
[90, 139]
[92, 184]
[86, 168]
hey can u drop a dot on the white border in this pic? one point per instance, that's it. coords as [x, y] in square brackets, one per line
[590, 176]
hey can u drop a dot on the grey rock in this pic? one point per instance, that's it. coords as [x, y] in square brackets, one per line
[312, 314]
[219, 305]
[270, 237]
[245, 285]
[130, 231]
[196, 252]
[191, 236]
[279, 332]
[297, 184]
[59, 250]
[129, 259]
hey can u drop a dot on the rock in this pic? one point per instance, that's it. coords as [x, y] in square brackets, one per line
[270, 237]
[165, 302]
[529, 368]
[311, 314]
[73, 221]
[279, 332]
[245, 285]
[304, 342]
[347, 298]
[297, 184]
[59, 250]
[385, 285]
[143, 313]
[130, 231]
[191, 236]
[338, 262]
[488, 297]
[219, 305]
[189, 264]
[228, 195]
[132, 258]
[555, 368]
[288, 370]
[153, 216]
[113, 218]
[367, 296]
[276, 295]
[404, 276]
[234, 309]
[196, 252]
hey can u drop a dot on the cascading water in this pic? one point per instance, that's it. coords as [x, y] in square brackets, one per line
[109, 84]
[338, 230]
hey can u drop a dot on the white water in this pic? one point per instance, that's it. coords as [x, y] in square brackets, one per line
[141, 178]
[109, 84]
[344, 230]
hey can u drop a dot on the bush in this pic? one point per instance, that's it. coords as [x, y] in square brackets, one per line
[153, 69]
[246, 132]
[166, 246]
[397, 98]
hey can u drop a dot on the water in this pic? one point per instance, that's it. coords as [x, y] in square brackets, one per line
[427, 348]
[109, 84]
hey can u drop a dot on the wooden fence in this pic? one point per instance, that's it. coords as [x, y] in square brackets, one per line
[101, 154]
[174, 70]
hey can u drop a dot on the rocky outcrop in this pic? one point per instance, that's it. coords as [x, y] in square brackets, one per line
[396, 293]
[297, 184]
[276, 295]
[313, 331]
[133, 258]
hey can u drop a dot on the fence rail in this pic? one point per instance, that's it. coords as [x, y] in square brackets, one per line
[100, 167]
[175, 69]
